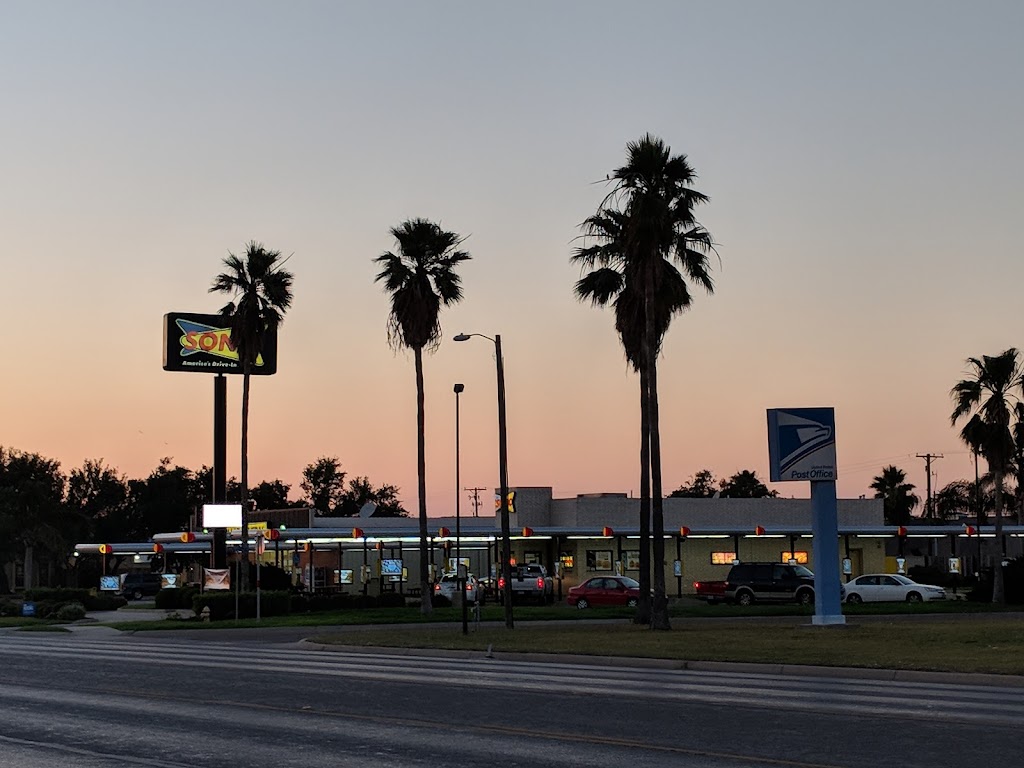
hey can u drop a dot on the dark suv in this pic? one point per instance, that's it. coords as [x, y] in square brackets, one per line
[138, 585]
[748, 583]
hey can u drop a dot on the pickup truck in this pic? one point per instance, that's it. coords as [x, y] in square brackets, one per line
[529, 582]
[712, 591]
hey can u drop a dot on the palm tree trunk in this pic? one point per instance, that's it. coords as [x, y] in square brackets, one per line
[243, 568]
[659, 610]
[643, 609]
[998, 590]
[421, 467]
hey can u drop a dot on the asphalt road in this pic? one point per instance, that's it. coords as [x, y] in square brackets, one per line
[103, 698]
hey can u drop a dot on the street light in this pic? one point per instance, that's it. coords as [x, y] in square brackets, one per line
[459, 582]
[506, 540]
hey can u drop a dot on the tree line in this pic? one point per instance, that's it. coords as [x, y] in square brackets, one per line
[989, 407]
[44, 511]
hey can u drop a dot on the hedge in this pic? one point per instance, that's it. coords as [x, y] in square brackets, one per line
[222, 604]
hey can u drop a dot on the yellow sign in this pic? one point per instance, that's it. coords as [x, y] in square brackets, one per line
[511, 502]
[260, 526]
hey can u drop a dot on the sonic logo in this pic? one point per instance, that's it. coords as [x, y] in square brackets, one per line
[198, 337]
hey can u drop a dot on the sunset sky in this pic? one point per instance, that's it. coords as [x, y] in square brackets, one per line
[863, 162]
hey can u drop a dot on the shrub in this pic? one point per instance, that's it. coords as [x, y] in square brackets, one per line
[70, 612]
[1013, 584]
[931, 574]
[104, 601]
[222, 604]
[57, 594]
[180, 597]
[391, 600]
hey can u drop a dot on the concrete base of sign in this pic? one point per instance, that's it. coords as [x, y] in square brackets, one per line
[828, 621]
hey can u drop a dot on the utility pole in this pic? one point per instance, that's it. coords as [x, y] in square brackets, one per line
[476, 499]
[928, 457]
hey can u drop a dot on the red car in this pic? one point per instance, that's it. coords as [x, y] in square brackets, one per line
[605, 590]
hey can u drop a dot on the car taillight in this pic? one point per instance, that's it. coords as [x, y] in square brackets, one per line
[540, 583]
[437, 587]
[469, 587]
[501, 583]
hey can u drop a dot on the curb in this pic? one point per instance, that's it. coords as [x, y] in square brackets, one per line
[733, 667]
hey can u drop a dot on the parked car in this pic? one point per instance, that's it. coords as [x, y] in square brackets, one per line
[605, 590]
[712, 591]
[881, 587]
[529, 582]
[748, 583]
[136, 586]
[448, 587]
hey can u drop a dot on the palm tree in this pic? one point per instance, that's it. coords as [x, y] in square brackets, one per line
[897, 495]
[1018, 457]
[421, 278]
[646, 233]
[988, 397]
[261, 291]
[606, 284]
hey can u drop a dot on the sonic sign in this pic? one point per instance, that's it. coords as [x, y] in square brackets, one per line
[202, 344]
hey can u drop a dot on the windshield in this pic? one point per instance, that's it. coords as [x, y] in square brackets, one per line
[801, 571]
[903, 579]
[629, 583]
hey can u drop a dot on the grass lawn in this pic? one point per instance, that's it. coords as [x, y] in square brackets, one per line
[977, 644]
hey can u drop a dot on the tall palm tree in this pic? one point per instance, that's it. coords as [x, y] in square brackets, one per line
[897, 495]
[606, 284]
[651, 205]
[1018, 457]
[989, 396]
[261, 291]
[421, 278]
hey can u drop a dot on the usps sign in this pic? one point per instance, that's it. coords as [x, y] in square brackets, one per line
[802, 444]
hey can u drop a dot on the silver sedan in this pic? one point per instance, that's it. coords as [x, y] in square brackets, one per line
[890, 587]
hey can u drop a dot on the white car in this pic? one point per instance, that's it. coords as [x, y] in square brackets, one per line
[881, 587]
[448, 586]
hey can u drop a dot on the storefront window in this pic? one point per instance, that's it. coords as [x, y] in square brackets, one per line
[794, 558]
[599, 559]
[723, 558]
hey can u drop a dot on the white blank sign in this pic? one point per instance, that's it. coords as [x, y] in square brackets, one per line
[222, 515]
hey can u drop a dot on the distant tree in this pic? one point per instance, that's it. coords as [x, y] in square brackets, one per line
[261, 291]
[360, 491]
[988, 397]
[272, 494]
[32, 512]
[98, 497]
[323, 482]
[161, 502]
[421, 279]
[898, 498]
[701, 486]
[746, 485]
[960, 499]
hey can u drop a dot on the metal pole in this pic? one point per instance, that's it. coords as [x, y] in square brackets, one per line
[220, 470]
[977, 502]
[506, 538]
[458, 522]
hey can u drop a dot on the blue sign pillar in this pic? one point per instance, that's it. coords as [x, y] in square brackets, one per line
[825, 527]
[802, 446]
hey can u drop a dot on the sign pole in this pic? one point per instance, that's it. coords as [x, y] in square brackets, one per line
[220, 455]
[825, 527]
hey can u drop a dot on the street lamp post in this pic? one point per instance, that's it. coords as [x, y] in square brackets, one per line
[506, 538]
[459, 581]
